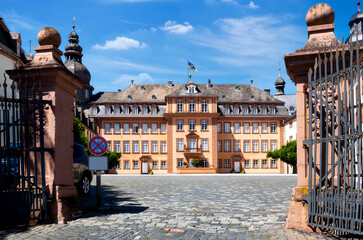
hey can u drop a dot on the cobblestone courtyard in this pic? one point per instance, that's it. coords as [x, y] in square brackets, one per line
[180, 207]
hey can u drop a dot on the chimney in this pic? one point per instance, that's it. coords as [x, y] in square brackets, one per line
[209, 83]
[132, 82]
[170, 83]
[119, 90]
[268, 91]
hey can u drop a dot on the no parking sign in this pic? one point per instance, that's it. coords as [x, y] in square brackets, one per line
[97, 146]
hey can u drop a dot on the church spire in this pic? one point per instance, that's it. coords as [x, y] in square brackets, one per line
[73, 50]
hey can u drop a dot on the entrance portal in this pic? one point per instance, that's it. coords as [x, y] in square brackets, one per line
[237, 166]
[145, 169]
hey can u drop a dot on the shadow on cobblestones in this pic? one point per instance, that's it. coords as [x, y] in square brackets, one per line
[113, 201]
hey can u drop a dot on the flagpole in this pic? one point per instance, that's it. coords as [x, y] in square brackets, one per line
[188, 68]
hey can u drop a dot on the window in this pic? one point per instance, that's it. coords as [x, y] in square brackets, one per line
[163, 147]
[191, 89]
[273, 145]
[246, 128]
[273, 163]
[263, 110]
[246, 146]
[245, 110]
[204, 125]
[145, 128]
[126, 128]
[155, 164]
[144, 110]
[94, 110]
[180, 162]
[126, 146]
[135, 110]
[237, 128]
[204, 106]
[179, 125]
[135, 147]
[264, 163]
[179, 146]
[255, 163]
[247, 164]
[109, 145]
[192, 106]
[204, 144]
[219, 127]
[192, 144]
[154, 110]
[255, 146]
[290, 138]
[135, 128]
[163, 128]
[226, 110]
[116, 128]
[236, 110]
[255, 127]
[107, 128]
[126, 110]
[227, 146]
[154, 128]
[290, 124]
[264, 127]
[237, 147]
[179, 106]
[108, 110]
[145, 147]
[191, 125]
[219, 146]
[126, 165]
[136, 164]
[254, 110]
[227, 127]
[264, 146]
[205, 163]
[154, 146]
[227, 163]
[163, 164]
[219, 163]
[273, 127]
[117, 146]
[273, 110]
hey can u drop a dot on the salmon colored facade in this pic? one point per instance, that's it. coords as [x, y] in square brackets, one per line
[231, 127]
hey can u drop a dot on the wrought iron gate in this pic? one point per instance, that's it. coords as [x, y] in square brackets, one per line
[335, 199]
[22, 169]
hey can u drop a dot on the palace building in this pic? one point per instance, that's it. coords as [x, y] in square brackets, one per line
[163, 127]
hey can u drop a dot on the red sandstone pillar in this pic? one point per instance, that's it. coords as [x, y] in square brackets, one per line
[59, 85]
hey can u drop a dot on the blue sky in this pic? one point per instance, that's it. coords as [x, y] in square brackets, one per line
[228, 41]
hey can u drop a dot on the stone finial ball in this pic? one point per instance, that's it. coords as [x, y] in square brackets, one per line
[49, 36]
[319, 14]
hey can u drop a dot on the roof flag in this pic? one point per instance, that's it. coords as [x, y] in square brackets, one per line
[191, 66]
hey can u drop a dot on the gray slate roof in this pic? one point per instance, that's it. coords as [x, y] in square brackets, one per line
[290, 102]
[156, 93]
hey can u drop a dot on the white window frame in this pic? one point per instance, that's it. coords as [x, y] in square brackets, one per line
[108, 110]
[246, 146]
[145, 128]
[126, 110]
[179, 163]
[204, 106]
[126, 164]
[179, 145]
[135, 147]
[273, 163]
[237, 145]
[246, 127]
[254, 127]
[219, 127]
[227, 163]
[126, 147]
[264, 127]
[255, 145]
[204, 124]
[191, 125]
[179, 106]
[247, 164]
[135, 128]
[136, 164]
[245, 110]
[255, 163]
[264, 145]
[163, 147]
[204, 144]
[144, 110]
[227, 145]
[126, 128]
[273, 127]
[227, 127]
[154, 128]
[192, 106]
[264, 163]
[236, 110]
[273, 145]
[163, 164]
[179, 125]
[116, 128]
[219, 146]
[94, 110]
[163, 128]
[117, 146]
[192, 144]
[107, 127]
[154, 146]
[237, 127]
[145, 146]
[226, 110]
[135, 110]
[155, 164]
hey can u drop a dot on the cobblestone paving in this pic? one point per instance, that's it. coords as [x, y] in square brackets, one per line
[180, 207]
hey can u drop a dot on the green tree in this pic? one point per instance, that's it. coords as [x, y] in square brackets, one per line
[113, 158]
[287, 153]
[198, 162]
[79, 135]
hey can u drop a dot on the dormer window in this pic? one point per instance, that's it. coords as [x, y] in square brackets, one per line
[126, 110]
[129, 97]
[153, 110]
[94, 110]
[245, 110]
[135, 110]
[153, 97]
[144, 110]
[236, 110]
[254, 110]
[263, 110]
[272, 110]
[191, 89]
[108, 110]
[142, 88]
[226, 110]
[117, 110]
[224, 97]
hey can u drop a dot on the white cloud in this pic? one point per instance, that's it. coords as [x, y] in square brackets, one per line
[120, 43]
[252, 5]
[152, 29]
[229, 1]
[142, 78]
[17, 22]
[251, 39]
[174, 27]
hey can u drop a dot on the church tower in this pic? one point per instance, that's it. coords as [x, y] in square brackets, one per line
[74, 64]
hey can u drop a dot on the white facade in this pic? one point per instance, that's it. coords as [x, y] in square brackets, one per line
[6, 63]
[290, 130]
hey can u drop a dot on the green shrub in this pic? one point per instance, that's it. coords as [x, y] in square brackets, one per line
[198, 162]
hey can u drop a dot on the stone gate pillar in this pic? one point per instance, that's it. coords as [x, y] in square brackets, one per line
[58, 84]
[320, 22]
